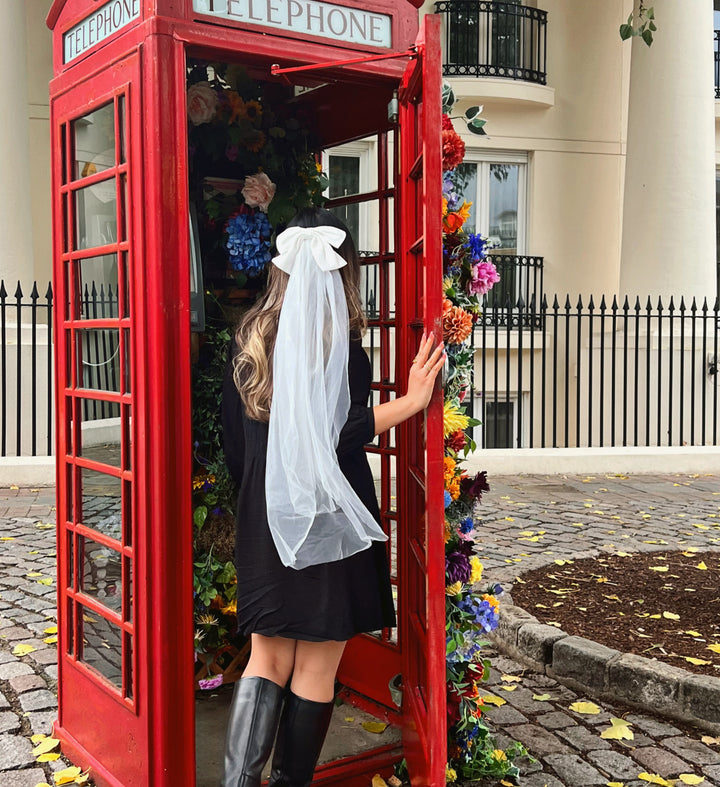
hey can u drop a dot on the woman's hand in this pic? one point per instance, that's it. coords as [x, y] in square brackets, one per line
[425, 367]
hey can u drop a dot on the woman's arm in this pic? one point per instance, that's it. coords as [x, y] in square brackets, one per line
[421, 381]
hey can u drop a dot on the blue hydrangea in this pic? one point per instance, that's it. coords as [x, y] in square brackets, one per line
[466, 525]
[248, 242]
[477, 246]
[484, 614]
[448, 498]
[466, 651]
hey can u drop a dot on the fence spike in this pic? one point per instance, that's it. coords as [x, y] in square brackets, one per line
[716, 307]
[615, 306]
[3, 291]
[568, 306]
[18, 291]
[682, 304]
[579, 303]
[671, 305]
[660, 306]
[544, 303]
[34, 295]
[591, 304]
[638, 307]
[520, 303]
[93, 290]
[693, 307]
[603, 305]
[649, 306]
[49, 294]
[705, 305]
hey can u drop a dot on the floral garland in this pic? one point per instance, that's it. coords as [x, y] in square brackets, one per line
[468, 274]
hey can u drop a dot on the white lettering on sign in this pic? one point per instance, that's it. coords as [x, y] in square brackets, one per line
[308, 17]
[101, 24]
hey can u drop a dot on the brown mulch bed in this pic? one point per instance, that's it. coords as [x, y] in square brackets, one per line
[655, 604]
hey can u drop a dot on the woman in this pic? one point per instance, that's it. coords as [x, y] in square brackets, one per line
[312, 568]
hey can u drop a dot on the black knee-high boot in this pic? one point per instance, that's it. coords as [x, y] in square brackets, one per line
[303, 727]
[253, 722]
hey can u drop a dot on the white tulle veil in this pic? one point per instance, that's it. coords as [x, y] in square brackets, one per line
[314, 514]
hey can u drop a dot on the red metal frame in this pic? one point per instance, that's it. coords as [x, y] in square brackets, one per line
[420, 481]
[149, 739]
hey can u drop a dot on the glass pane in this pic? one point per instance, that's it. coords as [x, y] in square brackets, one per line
[121, 127]
[70, 579]
[94, 142]
[96, 215]
[96, 283]
[127, 435]
[370, 289]
[465, 180]
[102, 646]
[101, 575]
[127, 516]
[70, 627]
[344, 175]
[101, 503]
[127, 368]
[98, 359]
[503, 228]
[100, 432]
[126, 286]
[128, 666]
[129, 601]
[498, 424]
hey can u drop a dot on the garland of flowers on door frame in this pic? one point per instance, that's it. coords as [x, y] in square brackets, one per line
[468, 274]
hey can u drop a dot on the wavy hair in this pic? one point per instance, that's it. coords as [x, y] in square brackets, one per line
[255, 335]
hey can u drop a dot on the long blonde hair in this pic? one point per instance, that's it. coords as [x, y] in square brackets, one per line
[255, 335]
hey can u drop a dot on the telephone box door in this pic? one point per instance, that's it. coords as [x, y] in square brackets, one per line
[420, 481]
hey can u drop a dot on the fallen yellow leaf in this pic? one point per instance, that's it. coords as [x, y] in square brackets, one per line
[714, 648]
[491, 699]
[46, 745]
[653, 778]
[691, 778]
[658, 568]
[378, 781]
[710, 741]
[38, 737]
[67, 775]
[349, 718]
[511, 678]
[619, 731]
[696, 662]
[50, 630]
[508, 688]
[33, 574]
[541, 697]
[701, 565]
[671, 616]
[589, 708]
[616, 784]
[374, 726]
[46, 581]
[694, 633]
[22, 650]
[50, 756]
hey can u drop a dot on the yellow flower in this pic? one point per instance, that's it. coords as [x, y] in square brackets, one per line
[464, 211]
[237, 105]
[453, 418]
[448, 284]
[476, 569]
[254, 109]
[499, 755]
[494, 603]
[450, 774]
[448, 531]
[454, 488]
[230, 609]
[444, 207]
[454, 589]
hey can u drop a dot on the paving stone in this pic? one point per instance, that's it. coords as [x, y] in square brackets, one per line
[537, 741]
[646, 682]
[583, 739]
[616, 765]
[23, 683]
[15, 752]
[504, 715]
[14, 668]
[652, 726]
[660, 761]
[692, 750]
[572, 770]
[700, 695]
[541, 780]
[581, 661]
[555, 720]
[51, 670]
[9, 721]
[44, 656]
[28, 777]
[14, 633]
[41, 722]
[522, 699]
[37, 700]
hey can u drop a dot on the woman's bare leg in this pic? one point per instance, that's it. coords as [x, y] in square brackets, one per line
[271, 658]
[316, 664]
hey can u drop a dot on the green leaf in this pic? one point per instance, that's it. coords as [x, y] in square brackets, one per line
[650, 13]
[626, 31]
[652, 26]
[647, 37]
[199, 516]
[472, 112]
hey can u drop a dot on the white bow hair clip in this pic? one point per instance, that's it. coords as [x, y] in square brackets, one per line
[323, 244]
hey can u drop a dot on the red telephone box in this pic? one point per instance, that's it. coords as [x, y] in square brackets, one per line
[120, 215]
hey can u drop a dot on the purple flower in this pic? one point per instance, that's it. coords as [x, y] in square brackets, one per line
[474, 487]
[477, 246]
[457, 568]
[211, 683]
[452, 197]
[466, 525]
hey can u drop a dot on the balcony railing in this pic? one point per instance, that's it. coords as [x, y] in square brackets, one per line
[493, 39]
[717, 64]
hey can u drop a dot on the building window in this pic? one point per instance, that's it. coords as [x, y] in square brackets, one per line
[500, 425]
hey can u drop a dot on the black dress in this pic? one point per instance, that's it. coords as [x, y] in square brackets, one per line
[331, 601]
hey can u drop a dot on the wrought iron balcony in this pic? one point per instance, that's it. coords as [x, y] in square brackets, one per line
[494, 39]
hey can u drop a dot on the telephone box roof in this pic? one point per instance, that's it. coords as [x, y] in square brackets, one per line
[58, 5]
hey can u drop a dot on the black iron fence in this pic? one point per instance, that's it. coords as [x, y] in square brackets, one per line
[26, 372]
[494, 39]
[594, 375]
[717, 64]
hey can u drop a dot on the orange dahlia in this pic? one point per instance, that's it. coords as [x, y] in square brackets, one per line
[457, 325]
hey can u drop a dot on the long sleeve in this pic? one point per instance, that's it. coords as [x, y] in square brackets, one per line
[359, 428]
[232, 423]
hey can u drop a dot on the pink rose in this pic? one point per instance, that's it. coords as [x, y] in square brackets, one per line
[484, 276]
[258, 191]
[202, 103]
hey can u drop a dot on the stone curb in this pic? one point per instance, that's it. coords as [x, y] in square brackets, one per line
[607, 674]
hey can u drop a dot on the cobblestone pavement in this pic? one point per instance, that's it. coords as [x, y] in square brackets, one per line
[566, 516]
[530, 521]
